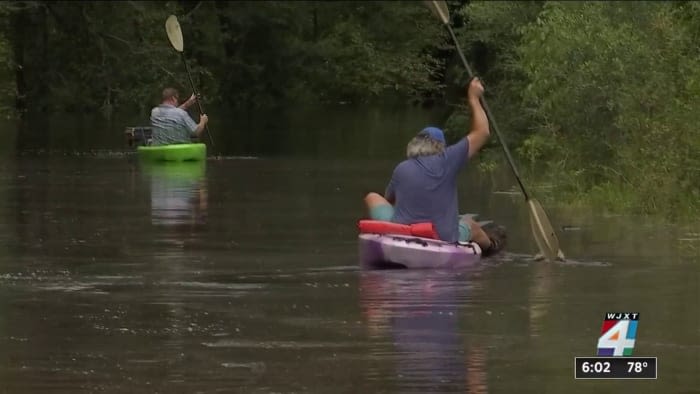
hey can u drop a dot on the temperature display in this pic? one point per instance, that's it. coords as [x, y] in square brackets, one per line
[615, 367]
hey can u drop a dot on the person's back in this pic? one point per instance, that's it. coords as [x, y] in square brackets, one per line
[171, 124]
[425, 190]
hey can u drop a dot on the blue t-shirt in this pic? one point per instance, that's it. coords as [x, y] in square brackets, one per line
[171, 125]
[425, 190]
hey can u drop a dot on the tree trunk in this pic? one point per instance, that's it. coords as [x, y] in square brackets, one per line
[315, 22]
[43, 69]
[18, 22]
[30, 49]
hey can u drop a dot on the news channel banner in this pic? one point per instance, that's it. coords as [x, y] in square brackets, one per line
[615, 345]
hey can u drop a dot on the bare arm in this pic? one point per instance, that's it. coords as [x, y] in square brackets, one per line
[479, 132]
[189, 102]
[203, 120]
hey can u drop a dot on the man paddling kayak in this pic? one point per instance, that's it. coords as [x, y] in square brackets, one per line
[171, 123]
[423, 188]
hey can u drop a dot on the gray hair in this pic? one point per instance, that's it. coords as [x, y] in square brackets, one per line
[422, 145]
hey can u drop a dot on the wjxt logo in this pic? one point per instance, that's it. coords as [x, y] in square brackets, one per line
[618, 334]
[622, 316]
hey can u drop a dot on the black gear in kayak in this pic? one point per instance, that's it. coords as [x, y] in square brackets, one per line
[498, 237]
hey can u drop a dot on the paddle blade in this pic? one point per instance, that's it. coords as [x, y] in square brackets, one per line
[172, 27]
[542, 230]
[439, 8]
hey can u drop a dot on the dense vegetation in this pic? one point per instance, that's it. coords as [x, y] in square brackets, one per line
[605, 96]
[88, 56]
[599, 95]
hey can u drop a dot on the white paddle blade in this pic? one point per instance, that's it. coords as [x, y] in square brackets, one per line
[542, 230]
[172, 28]
[439, 8]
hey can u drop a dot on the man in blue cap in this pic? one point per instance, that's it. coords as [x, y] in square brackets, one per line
[423, 188]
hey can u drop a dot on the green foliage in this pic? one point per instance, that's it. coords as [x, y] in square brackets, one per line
[7, 91]
[489, 38]
[599, 95]
[328, 51]
[88, 56]
[94, 56]
[614, 84]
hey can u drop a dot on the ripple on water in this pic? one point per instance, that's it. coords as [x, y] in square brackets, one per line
[521, 259]
[215, 285]
[252, 366]
[233, 343]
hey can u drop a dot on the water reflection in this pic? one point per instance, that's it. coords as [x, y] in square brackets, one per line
[178, 194]
[102, 292]
[540, 292]
[178, 213]
[418, 311]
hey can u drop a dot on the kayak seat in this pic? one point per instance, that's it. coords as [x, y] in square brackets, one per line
[424, 230]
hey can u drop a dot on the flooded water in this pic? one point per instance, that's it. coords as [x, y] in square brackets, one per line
[241, 275]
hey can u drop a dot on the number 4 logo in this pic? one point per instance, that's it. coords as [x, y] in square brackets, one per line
[618, 338]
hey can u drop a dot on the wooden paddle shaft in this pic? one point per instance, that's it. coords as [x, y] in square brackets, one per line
[490, 117]
[194, 91]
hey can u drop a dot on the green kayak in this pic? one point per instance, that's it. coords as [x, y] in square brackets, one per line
[175, 171]
[175, 152]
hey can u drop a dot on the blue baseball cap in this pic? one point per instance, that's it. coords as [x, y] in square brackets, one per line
[434, 133]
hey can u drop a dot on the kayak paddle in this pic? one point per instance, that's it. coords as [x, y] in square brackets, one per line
[542, 230]
[172, 28]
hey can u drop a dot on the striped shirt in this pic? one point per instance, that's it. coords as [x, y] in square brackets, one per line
[171, 125]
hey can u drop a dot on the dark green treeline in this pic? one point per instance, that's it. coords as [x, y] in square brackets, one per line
[112, 55]
[599, 97]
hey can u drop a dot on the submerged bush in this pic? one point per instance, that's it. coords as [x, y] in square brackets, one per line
[609, 90]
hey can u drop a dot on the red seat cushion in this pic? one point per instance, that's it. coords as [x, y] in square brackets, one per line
[424, 230]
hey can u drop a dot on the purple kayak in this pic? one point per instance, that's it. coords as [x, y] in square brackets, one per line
[396, 251]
